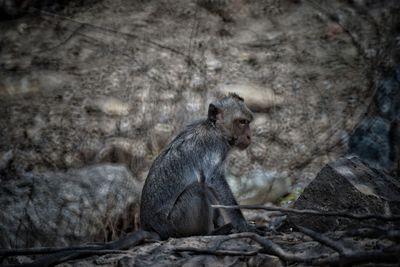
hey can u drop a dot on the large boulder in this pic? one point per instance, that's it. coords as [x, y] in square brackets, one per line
[347, 185]
[387, 97]
[64, 208]
[258, 98]
[259, 186]
[370, 142]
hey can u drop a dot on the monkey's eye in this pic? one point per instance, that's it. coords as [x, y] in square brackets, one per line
[244, 121]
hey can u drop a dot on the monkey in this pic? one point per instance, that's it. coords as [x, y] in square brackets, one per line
[189, 175]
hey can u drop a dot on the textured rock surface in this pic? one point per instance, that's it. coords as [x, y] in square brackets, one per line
[140, 70]
[370, 142]
[260, 186]
[258, 99]
[59, 209]
[351, 186]
[388, 95]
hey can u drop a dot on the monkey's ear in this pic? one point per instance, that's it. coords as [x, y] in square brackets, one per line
[214, 113]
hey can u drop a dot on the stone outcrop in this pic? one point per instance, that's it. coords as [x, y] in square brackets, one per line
[64, 208]
[259, 186]
[351, 186]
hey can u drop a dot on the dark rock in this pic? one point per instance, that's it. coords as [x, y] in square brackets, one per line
[394, 137]
[11, 9]
[398, 73]
[59, 209]
[388, 97]
[351, 186]
[370, 142]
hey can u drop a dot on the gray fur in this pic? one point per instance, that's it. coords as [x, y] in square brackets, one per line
[187, 177]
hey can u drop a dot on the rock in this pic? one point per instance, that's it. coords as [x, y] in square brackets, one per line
[370, 142]
[351, 186]
[9, 9]
[64, 208]
[212, 63]
[388, 97]
[394, 137]
[132, 153]
[11, 86]
[88, 150]
[264, 260]
[239, 162]
[257, 98]
[107, 105]
[161, 134]
[259, 186]
[5, 158]
[20, 84]
[34, 132]
[260, 124]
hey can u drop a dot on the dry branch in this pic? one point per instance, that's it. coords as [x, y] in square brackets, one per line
[374, 233]
[112, 31]
[343, 256]
[59, 255]
[336, 246]
[368, 216]
[216, 252]
[44, 250]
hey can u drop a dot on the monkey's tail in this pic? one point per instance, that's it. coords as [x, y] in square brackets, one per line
[123, 243]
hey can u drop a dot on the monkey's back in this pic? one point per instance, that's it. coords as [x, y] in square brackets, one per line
[180, 164]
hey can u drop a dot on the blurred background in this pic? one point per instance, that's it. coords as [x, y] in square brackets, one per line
[92, 90]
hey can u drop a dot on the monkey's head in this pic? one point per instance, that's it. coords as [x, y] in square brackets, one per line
[232, 118]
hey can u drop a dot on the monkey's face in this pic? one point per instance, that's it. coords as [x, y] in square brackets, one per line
[241, 133]
[232, 119]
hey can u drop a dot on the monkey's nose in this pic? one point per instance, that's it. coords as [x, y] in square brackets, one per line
[249, 137]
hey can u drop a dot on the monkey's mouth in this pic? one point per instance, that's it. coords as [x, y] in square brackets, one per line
[243, 146]
[242, 143]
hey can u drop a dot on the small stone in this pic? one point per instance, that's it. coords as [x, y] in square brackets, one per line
[257, 98]
[108, 105]
[161, 135]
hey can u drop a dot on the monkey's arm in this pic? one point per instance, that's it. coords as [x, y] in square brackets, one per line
[225, 196]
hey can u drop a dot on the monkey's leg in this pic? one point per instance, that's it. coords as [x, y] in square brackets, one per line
[220, 226]
[192, 213]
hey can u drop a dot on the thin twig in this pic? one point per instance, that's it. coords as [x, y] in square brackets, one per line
[346, 259]
[44, 250]
[69, 37]
[338, 247]
[113, 31]
[368, 216]
[217, 252]
[59, 255]
[374, 233]
[272, 248]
